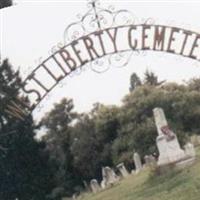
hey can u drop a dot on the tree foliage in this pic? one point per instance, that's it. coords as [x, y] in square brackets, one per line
[108, 135]
[5, 3]
[23, 162]
[151, 79]
[58, 123]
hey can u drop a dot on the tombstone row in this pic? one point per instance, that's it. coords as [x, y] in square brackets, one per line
[109, 177]
[169, 152]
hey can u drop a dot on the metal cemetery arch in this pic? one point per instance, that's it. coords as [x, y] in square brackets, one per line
[101, 36]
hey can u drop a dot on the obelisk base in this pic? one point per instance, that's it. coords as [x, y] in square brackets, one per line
[169, 151]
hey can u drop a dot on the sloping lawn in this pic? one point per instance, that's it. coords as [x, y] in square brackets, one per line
[175, 185]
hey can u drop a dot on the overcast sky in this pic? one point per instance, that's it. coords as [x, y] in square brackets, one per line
[29, 30]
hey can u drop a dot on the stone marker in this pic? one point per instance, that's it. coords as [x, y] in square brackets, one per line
[147, 160]
[137, 161]
[74, 197]
[167, 142]
[150, 160]
[198, 139]
[122, 170]
[195, 140]
[94, 186]
[189, 150]
[103, 184]
[133, 171]
[86, 185]
[109, 176]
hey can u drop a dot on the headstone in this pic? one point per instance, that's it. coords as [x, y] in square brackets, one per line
[167, 142]
[133, 171]
[109, 176]
[74, 197]
[147, 160]
[103, 184]
[195, 140]
[189, 150]
[137, 161]
[198, 139]
[86, 185]
[94, 186]
[150, 160]
[122, 170]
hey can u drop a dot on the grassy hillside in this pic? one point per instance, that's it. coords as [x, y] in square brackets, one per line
[176, 185]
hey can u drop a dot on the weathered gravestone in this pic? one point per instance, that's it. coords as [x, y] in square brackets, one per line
[94, 186]
[150, 161]
[74, 197]
[189, 150]
[167, 142]
[198, 139]
[137, 161]
[147, 160]
[87, 188]
[195, 140]
[109, 176]
[103, 184]
[122, 170]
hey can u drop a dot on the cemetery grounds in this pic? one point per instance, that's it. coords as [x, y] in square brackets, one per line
[175, 185]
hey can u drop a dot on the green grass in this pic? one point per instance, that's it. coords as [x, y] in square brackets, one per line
[176, 185]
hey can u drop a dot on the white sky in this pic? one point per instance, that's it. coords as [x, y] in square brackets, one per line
[29, 30]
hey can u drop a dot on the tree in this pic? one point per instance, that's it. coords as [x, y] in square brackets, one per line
[151, 79]
[58, 123]
[106, 121]
[94, 134]
[134, 82]
[5, 3]
[23, 162]
[194, 84]
[85, 148]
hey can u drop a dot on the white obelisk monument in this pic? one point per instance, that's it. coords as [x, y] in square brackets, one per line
[167, 142]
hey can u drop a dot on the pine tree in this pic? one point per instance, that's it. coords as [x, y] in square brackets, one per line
[24, 167]
[152, 79]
